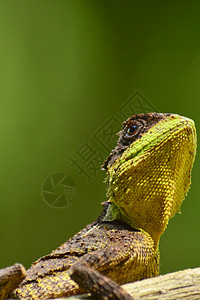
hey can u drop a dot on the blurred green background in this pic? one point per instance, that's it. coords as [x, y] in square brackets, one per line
[66, 68]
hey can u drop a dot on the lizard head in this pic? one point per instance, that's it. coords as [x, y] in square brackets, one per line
[149, 171]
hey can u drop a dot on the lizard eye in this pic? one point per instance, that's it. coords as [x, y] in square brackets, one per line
[133, 130]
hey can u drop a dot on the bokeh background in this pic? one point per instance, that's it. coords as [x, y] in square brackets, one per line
[69, 73]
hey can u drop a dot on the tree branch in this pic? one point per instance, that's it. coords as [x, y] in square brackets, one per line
[178, 285]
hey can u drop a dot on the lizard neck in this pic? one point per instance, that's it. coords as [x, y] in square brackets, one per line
[113, 213]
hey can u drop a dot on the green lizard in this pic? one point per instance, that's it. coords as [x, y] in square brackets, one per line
[148, 176]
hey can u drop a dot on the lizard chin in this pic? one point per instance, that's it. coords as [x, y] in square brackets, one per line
[151, 179]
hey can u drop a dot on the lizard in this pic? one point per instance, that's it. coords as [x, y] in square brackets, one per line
[148, 177]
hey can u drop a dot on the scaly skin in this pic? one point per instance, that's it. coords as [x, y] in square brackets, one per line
[148, 175]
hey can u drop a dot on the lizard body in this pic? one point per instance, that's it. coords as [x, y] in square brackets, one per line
[148, 176]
